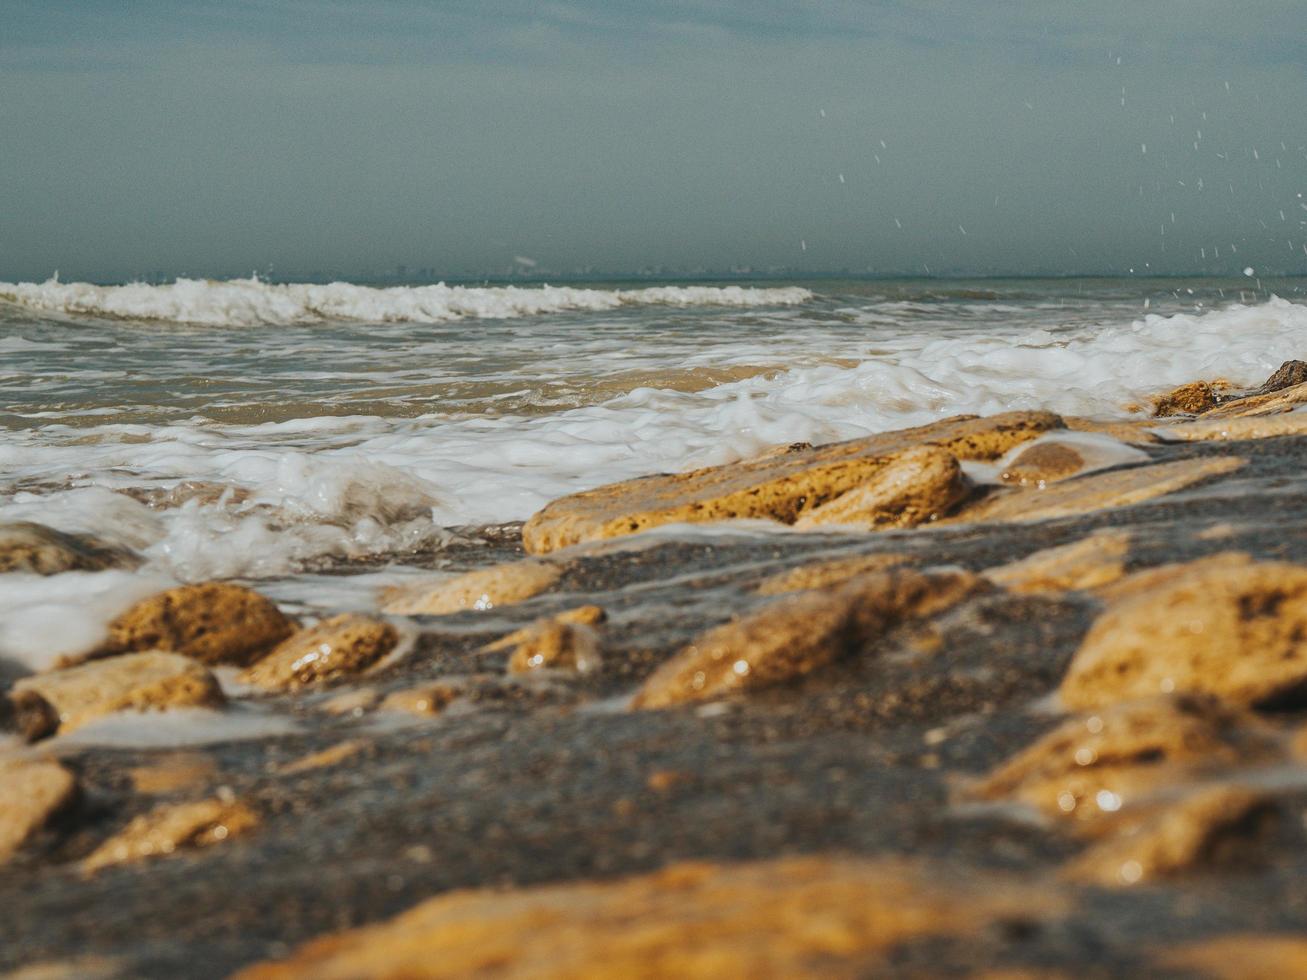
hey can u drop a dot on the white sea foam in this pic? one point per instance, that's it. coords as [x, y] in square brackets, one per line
[252, 302]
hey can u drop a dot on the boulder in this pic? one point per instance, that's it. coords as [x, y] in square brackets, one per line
[486, 588]
[919, 486]
[1189, 399]
[777, 487]
[27, 547]
[33, 792]
[337, 647]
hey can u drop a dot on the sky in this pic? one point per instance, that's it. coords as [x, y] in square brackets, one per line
[179, 137]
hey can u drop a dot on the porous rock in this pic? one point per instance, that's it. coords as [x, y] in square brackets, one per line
[135, 681]
[28, 547]
[486, 588]
[791, 917]
[32, 793]
[919, 486]
[169, 828]
[780, 488]
[797, 634]
[1188, 399]
[832, 571]
[1091, 562]
[1270, 403]
[212, 622]
[336, 647]
[1223, 625]
[567, 641]
[1043, 463]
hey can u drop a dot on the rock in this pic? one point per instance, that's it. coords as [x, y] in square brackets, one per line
[177, 770]
[332, 756]
[27, 547]
[1223, 625]
[1089, 563]
[1287, 375]
[1095, 764]
[77, 968]
[32, 793]
[1117, 488]
[1271, 403]
[28, 714]
[791, 917]
[833, 571]
[136, 681]
[919, 486]
[356, 702]
[780, 487]
[214, 623]
[486, 588]
[425, 699]
[1043, 463]
[334, 648]
[168, 828]
[1132, 431]
[1233, 429]
[1191, 399]
[1207, 828]
[1240, 956]
[560, 646]
[796, 634]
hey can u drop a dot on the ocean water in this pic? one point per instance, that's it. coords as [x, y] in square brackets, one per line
[251, 430]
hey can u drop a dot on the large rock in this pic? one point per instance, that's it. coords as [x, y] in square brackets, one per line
[920, 486]
[1270, 403]
[1224, 625]
[777, 487]
[136, 681]
[32, 793]
[794, 635]
[794, 917]
[1234, 429]
[483, 589]
[1190, 399]
[26, 547]
[336, 647]
[171, 827]
[214, 623]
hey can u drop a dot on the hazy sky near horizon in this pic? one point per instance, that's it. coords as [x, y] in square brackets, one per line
[1039, 136]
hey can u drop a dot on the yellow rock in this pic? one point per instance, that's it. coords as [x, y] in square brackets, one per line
[172, 772]
[921, 485]
[486, 588]
[1043, 463]
[777, 487]
[1089, 563]
[1191, 399]
[1095, 764]
[1233, 429]
[1240, 956]
[27, 547]
[796, 634]
[135, 681]
[1223, 625]
[1208, 827]
[1137, 431]
[805, 917]
[166, 829]
[336, 647]
[332, 756]
[214, 622]
[425, 699]
[833, 571]
[32, 792]
[565, 641]
[1118, 488]
[1272, 403]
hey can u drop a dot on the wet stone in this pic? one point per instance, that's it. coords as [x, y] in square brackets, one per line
[567, 641]
[480, 590]
[35, 548]
[336, 647]
[1240, 956]
[32, 793]
[170, 828]
[917, 487]
[1042, 463]
[1189, 399]
[831, 572]
[424, 699]
[1089, 563]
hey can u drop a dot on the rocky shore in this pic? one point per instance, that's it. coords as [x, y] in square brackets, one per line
[1015, 696]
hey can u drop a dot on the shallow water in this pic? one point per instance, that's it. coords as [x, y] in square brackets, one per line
[251, 430]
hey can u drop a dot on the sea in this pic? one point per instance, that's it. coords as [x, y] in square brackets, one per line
[313, 438]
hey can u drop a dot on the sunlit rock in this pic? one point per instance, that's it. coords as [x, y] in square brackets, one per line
[833, 571]
[337, 647]
[1240, 956]
[170, 828]
[27, 547]
[1189, 399]
[921, 485]
[32, 793]
[483, 589]
[1089, 563]
[567, 641]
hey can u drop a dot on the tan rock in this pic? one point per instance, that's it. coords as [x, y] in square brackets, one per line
[1191, 399]
[1086, 494]
[486, 588]
[1043, 463]
[1271, 403]
[781, 487]
[32, 793]
[28, 714]
[833, 571]
[177, 770]
[558, 646]
[169, 828]
[1089, 563]
[805, 917]
[1203, 829]
[796, 634]
[1223, 625]
[919, 486]
[136, 681]
[334, 648]
[1095, 764]
[425, 699]
[1234, 429]
[1240, 956]
[354, 702]
[587, 615]
[27, 547]
[1135, 431]
[76, 968]
[214, 623]
[331, 756]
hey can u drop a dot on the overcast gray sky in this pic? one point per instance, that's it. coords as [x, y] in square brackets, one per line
[1001, 136]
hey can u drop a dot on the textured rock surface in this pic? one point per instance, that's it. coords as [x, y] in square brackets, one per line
[1089, 563]
[28, 714]
[780, 488]
[1282, 400]
[833, 571]
[1043, 463]
[794, 635]
[27, 547]
[168, 828]
[1189, 399]
[136, 681]
[1232, 429]
[1223, 625]
[336, 647]
[484, 589]
[1241, 956]
[795, 917]
[32, 793]
[566, 641]
[920, 486]
[214, 623]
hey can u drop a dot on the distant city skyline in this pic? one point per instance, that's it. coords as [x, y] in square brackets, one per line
[483, 140]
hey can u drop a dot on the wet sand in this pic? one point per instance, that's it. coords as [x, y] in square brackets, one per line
[470, 776]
